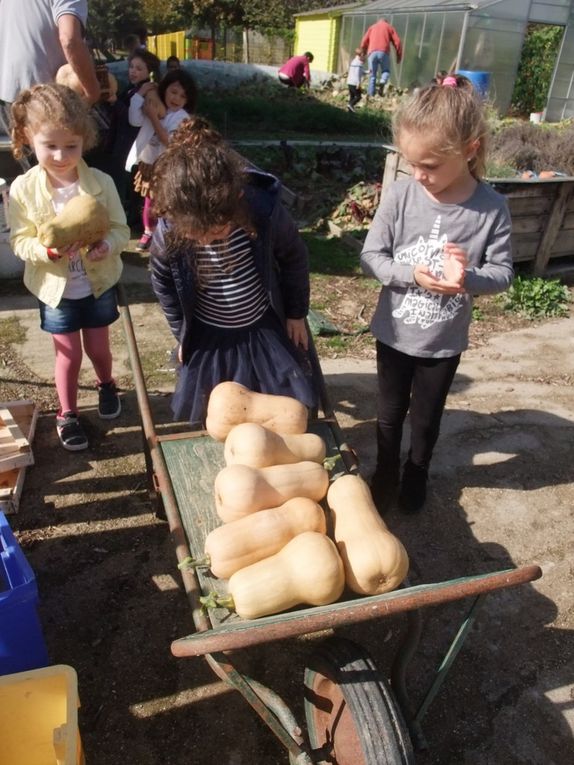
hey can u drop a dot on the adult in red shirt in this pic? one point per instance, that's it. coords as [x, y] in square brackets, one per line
[376, 43]
[295, 72]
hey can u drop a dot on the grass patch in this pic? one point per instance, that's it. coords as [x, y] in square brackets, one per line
[266, 111]
[12, 331]
[329, 255]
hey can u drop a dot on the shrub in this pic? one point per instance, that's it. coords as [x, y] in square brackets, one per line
[536, 297]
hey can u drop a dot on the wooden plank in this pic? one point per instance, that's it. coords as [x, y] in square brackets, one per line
[555, 219]
[11, 437]
[527, 206]
[25, 414]
[15, 450]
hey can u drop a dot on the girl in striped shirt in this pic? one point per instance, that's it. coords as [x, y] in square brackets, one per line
[230, 271]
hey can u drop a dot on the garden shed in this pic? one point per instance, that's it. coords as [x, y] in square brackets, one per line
[484, 37]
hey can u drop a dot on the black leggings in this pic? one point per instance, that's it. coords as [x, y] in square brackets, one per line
[415, 384]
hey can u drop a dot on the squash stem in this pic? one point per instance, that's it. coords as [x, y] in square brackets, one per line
[187, 563]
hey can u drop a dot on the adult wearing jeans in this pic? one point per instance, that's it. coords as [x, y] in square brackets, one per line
[376, 43]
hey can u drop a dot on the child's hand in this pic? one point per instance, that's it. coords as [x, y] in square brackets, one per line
[55, 253]
[297, 333]
[443, 286]
[98, 251]
[146, 87]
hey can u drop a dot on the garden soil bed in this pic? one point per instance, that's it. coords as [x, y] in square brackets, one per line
[501, 495]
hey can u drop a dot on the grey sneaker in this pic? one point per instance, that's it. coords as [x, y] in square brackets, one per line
[70, 432]
[109, 404]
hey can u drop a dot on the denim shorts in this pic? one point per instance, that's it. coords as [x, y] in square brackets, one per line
[85, 313]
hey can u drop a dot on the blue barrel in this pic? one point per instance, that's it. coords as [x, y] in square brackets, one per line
[480, 80]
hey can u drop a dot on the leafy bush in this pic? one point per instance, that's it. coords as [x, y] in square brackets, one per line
[536, 297]
[537, 62]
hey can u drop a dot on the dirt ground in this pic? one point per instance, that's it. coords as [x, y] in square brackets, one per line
[502, 495]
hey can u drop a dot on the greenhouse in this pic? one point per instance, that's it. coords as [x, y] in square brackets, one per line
[483, 38]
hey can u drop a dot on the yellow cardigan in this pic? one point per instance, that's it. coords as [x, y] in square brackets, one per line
[31, 205]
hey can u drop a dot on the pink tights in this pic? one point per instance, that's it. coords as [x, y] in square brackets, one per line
[68, 347]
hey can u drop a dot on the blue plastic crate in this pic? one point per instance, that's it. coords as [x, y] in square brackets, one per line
[22, 645]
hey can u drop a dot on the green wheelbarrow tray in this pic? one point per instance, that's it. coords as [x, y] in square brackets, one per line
[182, 467]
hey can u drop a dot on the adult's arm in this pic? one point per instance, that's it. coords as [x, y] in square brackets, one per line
[396, 41]
[365, 41]
[78, 56]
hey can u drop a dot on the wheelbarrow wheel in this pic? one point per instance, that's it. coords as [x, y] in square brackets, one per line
[352, 717]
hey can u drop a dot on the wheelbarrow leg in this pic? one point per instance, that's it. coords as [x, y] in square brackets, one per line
[268, 705]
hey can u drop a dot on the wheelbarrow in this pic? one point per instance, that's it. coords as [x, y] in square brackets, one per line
[354, 714]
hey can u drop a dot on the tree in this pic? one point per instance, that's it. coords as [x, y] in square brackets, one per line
[112, 20]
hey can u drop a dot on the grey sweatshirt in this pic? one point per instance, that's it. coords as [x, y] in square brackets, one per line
[410, 228]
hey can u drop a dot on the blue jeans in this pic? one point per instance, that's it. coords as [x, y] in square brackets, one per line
[378, 59]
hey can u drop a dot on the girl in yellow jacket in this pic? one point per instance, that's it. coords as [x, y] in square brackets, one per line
[75, 286]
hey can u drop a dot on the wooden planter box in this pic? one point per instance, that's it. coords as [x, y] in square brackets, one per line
[542, 213]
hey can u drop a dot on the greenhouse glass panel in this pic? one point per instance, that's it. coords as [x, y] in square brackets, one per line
[493, 46]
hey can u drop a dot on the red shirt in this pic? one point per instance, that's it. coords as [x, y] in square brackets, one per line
[379, 36]
[297, 68]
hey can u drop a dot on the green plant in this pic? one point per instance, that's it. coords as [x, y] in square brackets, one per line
[536, 66]
[536, 297]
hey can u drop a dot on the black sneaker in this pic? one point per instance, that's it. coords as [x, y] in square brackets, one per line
[384, 488]
[70, 432]
[413, 493]
[109, 404]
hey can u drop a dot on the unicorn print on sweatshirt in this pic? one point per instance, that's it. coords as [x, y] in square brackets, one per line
[420, 306]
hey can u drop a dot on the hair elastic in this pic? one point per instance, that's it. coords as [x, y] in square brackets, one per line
[449, 81]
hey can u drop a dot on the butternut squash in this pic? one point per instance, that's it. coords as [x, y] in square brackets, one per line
[231, 403]
[257, 446]
[241, 490]
[242, 542]
[375, 560]
[307, 570]
[66, 76]
[83, 219]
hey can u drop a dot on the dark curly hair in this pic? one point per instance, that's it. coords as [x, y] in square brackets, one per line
[198, 183]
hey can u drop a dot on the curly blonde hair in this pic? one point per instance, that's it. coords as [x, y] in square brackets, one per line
[451, 115]
[54, 105]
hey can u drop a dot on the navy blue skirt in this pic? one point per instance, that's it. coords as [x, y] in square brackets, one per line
[261, 357]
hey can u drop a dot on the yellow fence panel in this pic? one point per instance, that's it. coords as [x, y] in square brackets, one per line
[170, 44]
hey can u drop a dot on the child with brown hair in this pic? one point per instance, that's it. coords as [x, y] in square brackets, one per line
[75, 286]
[438, 238]
[230, 271]
[177, 93]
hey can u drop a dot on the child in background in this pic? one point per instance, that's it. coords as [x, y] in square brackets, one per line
[143, 67]
[75, 286]
[438, 238]
[178, 93]
[354, 77]
[172, 63]
[230, 271]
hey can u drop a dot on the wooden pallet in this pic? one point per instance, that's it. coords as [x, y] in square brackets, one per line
[23, 415]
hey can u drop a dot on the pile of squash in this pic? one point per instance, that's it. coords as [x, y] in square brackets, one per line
[273, 546]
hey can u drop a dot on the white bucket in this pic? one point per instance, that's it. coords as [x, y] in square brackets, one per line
[536, 117]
